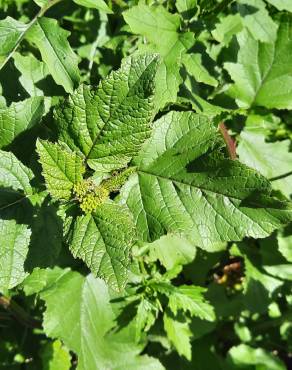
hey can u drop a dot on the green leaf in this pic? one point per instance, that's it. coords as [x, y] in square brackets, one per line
[256, 19]
[227, 28]
[172, 250]
[258, 286]
[11, 31]
[14, 241]
[190, 298]
[46, 240]
[186, 298]
[85, 302]
[18, 117]
[61, 168]
[270, 159]
[103, 241]
[195, 191]
[244, 355]
[95, 4]
[119, 112]
[55, 356]
[194, 66]
[185, 5]
[284, 241]
[262, 74]
[56, 52]
[32, 71]
[14, 174]
[161, 30]
[179, 334]
[281, 4]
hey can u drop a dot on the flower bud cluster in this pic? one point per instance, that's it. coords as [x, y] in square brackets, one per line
[89, 195]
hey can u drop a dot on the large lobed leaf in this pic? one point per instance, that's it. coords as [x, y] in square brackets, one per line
[184, 184]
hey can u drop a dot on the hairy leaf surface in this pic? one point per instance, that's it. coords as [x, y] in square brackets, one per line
[103, 241]
[184, 185]
[61, 168]
[111, 123]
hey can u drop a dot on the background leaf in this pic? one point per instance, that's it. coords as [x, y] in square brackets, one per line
[56, 52]
[14, 240]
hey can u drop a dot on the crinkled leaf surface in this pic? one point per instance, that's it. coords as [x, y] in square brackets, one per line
[103, 241]
[18, 117]
[13, 174]
[161, 30]
[109, 124]
[56, 52]
[61, 168]
[184, 185]
[79, 313]
[14, 241]
[262, 74]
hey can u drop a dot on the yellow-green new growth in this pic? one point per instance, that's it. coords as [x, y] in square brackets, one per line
[118, 179]
[89, 195]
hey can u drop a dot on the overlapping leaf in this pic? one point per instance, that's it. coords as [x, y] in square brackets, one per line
[79, 313]
[56, 52]
[262, 74]
[19, 117]
[13, 174]
[161, 30]
[61, 168]
[110, 124]
[271, 159]
[14, 240]
[11, 31]
[103, 241]
[183, 184]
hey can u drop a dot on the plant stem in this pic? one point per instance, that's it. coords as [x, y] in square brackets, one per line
[19, 313]
[230, 143]
[40, 13]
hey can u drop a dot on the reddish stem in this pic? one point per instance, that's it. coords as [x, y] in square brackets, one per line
[230, 143]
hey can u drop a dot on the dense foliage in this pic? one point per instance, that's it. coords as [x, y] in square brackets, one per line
[145, 184]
